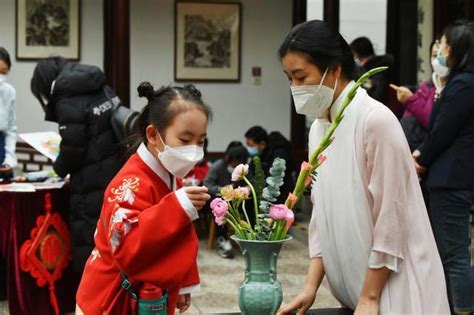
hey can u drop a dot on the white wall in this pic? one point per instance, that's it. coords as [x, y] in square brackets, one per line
[236, 106]
[315, 10]
[364, 18]
[29, 113]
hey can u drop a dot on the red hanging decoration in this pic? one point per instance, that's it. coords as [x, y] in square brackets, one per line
[48, 251]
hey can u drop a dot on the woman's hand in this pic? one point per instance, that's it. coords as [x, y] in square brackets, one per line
[301, 303]
[420, 170]
[197, 195]
[403, 93]
[367, 307]
[5, 168]
[184, 302]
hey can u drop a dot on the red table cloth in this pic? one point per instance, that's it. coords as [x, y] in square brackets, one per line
[18, 213]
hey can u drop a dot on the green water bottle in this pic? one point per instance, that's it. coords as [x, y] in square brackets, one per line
[152, 301]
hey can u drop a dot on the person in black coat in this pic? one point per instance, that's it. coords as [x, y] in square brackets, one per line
[220, 175]
[448, 156]
[72, 95]
[269, 147]
[378, 85]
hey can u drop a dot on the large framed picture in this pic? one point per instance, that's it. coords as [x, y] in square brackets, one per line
[207, 41]
[47, 28]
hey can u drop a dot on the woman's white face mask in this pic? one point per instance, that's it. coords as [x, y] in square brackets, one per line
[3, 79]
[179, 161]
[313, 100]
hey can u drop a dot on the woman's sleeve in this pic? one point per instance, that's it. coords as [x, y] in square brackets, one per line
[390, 169]
[420, 105]
[313, 236]
[11, 133]
[313, 239]
[154, 243]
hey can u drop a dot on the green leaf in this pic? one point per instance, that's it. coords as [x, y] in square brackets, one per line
[259, 177]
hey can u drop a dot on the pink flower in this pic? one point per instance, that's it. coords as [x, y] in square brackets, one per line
[220, 220]
[321, 159]
[278, 212]
[239, 172]
[241, 193]
[219, 207]
[290, 218]
[293, 199]
[305, 166]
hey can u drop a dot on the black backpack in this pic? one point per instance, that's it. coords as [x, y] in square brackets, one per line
[123, 119]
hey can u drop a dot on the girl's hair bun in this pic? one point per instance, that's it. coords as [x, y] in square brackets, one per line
[191, 89]
[145, 89]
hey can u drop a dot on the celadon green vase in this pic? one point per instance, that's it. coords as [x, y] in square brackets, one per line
[260, 293]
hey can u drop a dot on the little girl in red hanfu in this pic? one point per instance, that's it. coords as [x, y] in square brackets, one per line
[144, 259]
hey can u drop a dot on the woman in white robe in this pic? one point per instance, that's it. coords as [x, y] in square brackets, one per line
[369, 232]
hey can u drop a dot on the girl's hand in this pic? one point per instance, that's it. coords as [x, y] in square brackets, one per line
[184, 302]
[197, 195]
[403, 93]
[367, 307]
[301, 303]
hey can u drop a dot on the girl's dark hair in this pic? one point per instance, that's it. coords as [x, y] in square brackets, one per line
[159, 110]
[362, 46]
[322, 46]
[460, 37]
[5, 56]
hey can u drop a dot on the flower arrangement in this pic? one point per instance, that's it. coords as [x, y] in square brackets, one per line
[271, 222]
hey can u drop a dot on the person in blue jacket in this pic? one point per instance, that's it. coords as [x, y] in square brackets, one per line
[447, 155]
[8, 129]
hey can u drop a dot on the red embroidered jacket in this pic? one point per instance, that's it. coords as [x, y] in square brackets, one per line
[145, 230]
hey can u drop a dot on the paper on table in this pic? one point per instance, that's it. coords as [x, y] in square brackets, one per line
[30, 187]
[46, 143]
[18, 187]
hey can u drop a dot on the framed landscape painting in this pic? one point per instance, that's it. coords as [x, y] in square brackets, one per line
[207, 41]
[47, 28]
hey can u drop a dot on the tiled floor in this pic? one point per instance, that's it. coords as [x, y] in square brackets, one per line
[221, 278]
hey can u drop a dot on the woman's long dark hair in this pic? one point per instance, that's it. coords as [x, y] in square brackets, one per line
[322, 46]
[460, 38]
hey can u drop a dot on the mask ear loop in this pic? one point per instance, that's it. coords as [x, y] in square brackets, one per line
[322, 80]
[161, 139]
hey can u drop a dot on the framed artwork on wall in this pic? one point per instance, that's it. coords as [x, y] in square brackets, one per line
[207, 41]
[48, 28]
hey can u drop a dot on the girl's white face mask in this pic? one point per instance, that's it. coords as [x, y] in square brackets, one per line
[313, 100]
[179, 161]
